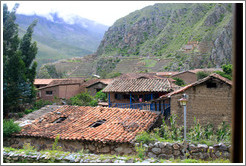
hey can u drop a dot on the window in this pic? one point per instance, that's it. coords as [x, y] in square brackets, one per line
[211, 85]
[98, 90]
[49, 92]
[59, 120]
[97, 123]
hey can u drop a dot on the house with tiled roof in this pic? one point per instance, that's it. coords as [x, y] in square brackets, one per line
[137, 93]
[61, 89]
[209, 100]
[97, 86]
[38, 83]
[190, 76]
[98, 129]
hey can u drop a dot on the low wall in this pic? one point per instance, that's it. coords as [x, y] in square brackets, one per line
[165, 150]
[72, 145]
[158, 150]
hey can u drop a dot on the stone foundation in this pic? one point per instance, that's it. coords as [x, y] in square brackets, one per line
[157, 150]
[72, 145]
[165, 150]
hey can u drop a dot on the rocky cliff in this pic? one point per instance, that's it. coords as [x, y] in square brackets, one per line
[165, 30]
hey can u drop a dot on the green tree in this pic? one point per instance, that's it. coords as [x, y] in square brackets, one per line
[19, 68]
[227, 71]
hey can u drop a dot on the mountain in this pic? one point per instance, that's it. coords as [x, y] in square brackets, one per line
[164, 37]
[57, 39]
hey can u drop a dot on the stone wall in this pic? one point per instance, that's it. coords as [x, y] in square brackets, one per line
[165, 150]
[72, 145]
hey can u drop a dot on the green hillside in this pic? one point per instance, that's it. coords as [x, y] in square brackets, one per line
[59, 40]
[156, 38]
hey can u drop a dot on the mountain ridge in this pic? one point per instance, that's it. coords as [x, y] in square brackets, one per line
[58, 39]
[158, 37]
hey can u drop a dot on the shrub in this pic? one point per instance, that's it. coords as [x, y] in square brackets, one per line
[179, 81]
[83, 99]
[224, 75]
[28, 111]
[223, 132]
[140, 151]
[144, 137]
[54, 146]
[9, 127]
[201, 75]
[102, 96]
[28, 148]
[41, 103]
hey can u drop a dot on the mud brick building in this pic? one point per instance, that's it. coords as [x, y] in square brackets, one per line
[61, 89]
[97, 129]
[190, 76]
[210, 101]
[97, 86]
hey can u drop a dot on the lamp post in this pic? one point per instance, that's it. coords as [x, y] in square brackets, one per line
[183, 101]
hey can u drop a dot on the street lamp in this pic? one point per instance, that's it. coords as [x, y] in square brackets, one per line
[183, 101]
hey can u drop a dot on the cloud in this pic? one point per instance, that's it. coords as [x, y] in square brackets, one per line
[104, 12]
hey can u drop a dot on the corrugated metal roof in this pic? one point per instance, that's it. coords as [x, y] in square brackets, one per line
[138, 85]
[120, 125]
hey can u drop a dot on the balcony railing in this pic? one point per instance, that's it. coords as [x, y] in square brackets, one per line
[164, 108]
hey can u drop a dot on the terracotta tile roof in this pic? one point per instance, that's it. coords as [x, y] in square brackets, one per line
[120, 125]
[138, 85]
[137, 75]
[214, 75]
[209, 70]
[205, 70]
[166, 73]
[63, 82]
[43, 81]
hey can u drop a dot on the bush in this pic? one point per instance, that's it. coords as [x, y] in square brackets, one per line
[9, 127]
[83, 99]
[201, 75]
[179, 81]
[28, 111]
[144, 137]
[224, 75]
[41, 103]
[101, 96]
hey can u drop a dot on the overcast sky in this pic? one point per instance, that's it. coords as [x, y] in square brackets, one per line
[105, 12]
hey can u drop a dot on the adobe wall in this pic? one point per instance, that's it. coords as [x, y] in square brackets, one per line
[55, 91]
[93, 89]
[72, 145]
[209, 105]
[68, 91]
[188, 77]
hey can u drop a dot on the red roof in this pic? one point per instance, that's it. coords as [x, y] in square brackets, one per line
[138, 85]
[120, 125]
[214, 75]
[43, 81]
[63, 82]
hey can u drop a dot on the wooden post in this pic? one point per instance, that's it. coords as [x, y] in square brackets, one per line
[130, 100]
[109, 100]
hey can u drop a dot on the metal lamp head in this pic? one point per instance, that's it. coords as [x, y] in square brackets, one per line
[183, 100]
